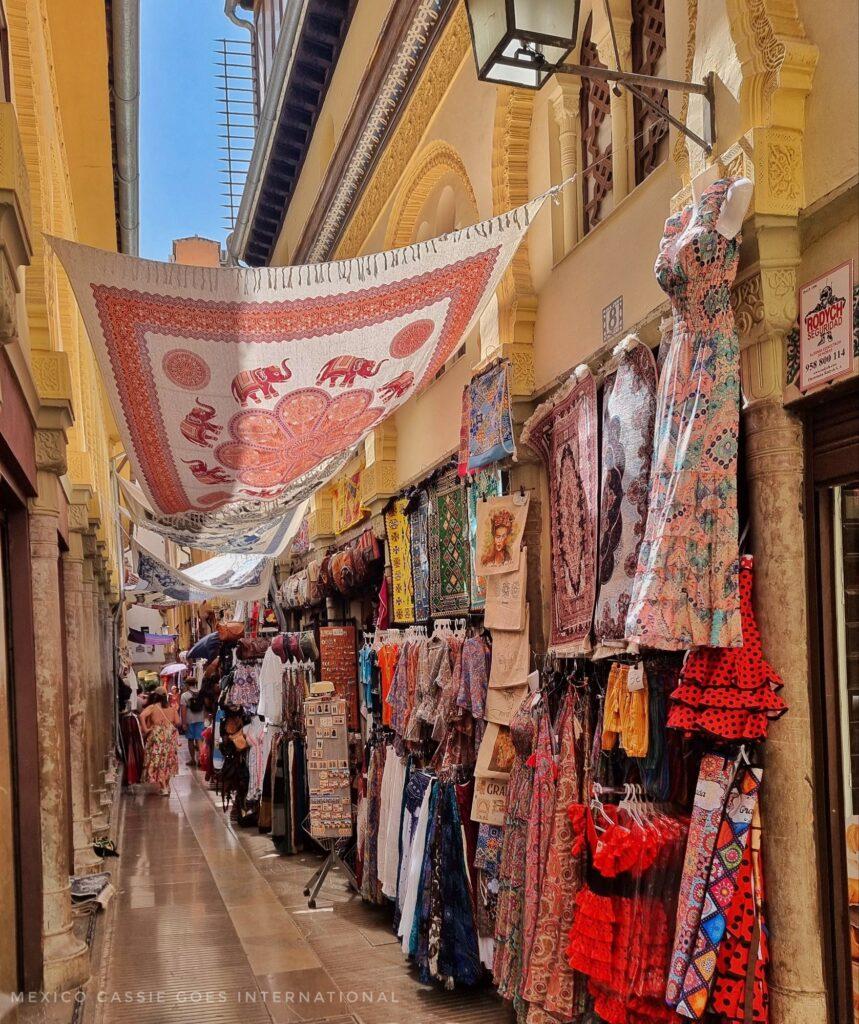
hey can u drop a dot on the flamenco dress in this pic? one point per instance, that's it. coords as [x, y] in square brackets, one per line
[729, 693]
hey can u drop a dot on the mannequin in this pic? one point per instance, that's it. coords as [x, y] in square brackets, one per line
[736, 203]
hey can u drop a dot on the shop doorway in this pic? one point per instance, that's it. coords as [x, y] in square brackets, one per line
[832, 455]
[9, 889]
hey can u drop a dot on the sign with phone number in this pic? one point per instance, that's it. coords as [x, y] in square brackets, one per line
[826, 327]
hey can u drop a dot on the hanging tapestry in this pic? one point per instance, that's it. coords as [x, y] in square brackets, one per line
[236, 577]
[449, 551]
[485, 484]
[500, 528]
[419, 540]
[238, 383]
[347, 510]
[301, 540]
[400, 553]
[338, 664]
[564, 432]
[489, 418]
[276, 537]
[505, 598]
[629, 412]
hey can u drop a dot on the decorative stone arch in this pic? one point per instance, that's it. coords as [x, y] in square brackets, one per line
[430, 167]
[517, 301]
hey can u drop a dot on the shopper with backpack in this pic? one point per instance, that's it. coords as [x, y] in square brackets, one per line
[193, 719]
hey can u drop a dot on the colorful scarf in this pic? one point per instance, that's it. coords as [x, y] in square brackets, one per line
[486, 484]
[629, 410]
[721, 888]
[400, 552]
[419, 543]
[450, 574]
[487, 412]
[715, 779]
[564, 432]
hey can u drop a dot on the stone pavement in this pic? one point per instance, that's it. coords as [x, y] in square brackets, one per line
[210, 924]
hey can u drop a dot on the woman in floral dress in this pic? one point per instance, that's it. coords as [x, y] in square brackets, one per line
[161, 757]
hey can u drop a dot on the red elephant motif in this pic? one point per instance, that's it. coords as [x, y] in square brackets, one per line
[197, 426]
[342, 370]
[259, 382]
[201, 472]
[397, 387]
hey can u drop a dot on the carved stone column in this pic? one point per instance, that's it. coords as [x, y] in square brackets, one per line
[86, 862]
[765, 307]
[621, 99]
[66, 958]
[90, 681]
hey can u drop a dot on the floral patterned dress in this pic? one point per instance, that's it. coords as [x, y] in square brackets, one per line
[161, 757]
[507, 965]
[685, 592]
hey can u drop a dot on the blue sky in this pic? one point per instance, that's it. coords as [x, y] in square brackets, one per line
[179, 169]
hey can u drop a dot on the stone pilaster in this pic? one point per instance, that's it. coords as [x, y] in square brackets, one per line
[774, 470]
[566, 110]
[621, 99]
[90, 680]
[86, 862]
[66, 958]
[320, 517]
[379, 476]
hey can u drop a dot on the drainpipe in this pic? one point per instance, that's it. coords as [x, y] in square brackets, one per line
[269, 116]
[125, 33]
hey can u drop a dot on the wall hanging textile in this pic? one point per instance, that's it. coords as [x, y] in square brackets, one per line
[347, 510]
[488, 418]
[400, 551]
[485, 484]
[273, 535]
[629, 409]
[419, 541]
[564, 432]
[449, 550]
[505, 598]
[338, 664]
[238, 577]
[236, 383]
[686, 592]
[500, 528]
[464, 423]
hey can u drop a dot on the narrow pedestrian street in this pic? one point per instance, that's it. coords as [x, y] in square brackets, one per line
[210, 924]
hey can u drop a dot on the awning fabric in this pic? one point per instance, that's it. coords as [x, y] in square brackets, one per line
[238, 391]
[237, 577]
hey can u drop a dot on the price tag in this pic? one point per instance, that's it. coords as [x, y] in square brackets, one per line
[635, 678]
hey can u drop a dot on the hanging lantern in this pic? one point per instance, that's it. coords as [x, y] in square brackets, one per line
[520, 42]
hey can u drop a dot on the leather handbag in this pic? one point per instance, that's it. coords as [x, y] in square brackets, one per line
[252, 647]
[231, 630]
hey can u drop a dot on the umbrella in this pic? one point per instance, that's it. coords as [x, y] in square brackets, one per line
[173, 670]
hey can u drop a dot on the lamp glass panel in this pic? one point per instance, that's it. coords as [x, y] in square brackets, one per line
[547, 18]
[488, 26]
[524, 77]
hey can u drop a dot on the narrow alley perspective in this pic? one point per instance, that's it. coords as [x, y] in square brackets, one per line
[429, 511]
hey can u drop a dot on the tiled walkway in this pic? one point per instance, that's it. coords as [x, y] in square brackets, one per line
[211, 925]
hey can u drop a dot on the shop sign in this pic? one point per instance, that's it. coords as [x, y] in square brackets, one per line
[826, 327]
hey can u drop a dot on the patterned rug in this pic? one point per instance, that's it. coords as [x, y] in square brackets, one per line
[419, 542]
[240, 382]
[490, 418]
[400, 552]
[629, 410]
[564, 432]
[449, 550]
[485, 484]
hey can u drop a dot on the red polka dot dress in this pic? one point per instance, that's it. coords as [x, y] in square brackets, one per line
[729, 692]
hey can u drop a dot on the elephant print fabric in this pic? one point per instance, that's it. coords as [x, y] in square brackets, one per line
[240, 385]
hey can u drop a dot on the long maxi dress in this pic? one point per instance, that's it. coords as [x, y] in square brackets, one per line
[686, 592]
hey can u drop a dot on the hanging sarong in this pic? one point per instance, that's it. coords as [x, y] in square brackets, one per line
[419, 540]
[400, 551]
[490, 418]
